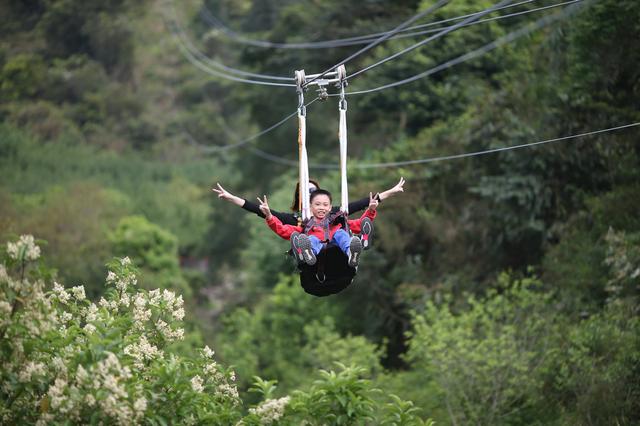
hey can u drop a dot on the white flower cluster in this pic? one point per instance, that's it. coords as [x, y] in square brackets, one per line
[213, 373]
[140, 314]
[228, 390]
[5, 309]
[142, 351]
[60, 293]
[196, 384]
[270, 410]
[103, 387]
[207, 352]
[78, 292]
[30, 370]
[169, 333]
[4, 276]
[27, 244]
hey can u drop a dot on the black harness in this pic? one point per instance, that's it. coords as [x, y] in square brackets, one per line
[339, 218]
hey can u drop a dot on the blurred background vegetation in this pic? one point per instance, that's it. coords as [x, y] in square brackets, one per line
[501, 289]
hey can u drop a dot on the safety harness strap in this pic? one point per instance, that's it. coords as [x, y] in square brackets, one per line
[303, 176]
[342, 135]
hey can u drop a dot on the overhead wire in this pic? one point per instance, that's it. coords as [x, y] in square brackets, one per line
[341, 42]
[491, 151]
[505, 39]
[499, 42]
[546, 20]
[429, 39]
[373, 44]
[198, 59]
[292, 163]
[495, 18]
[221, 148]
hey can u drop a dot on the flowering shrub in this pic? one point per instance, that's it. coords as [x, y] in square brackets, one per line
[67, 360]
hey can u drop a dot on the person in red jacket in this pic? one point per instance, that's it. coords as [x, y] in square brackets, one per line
[323, 228]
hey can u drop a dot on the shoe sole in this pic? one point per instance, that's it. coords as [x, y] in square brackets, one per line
[304, 245]
[295, 247]
[355, 249]
[366, 231]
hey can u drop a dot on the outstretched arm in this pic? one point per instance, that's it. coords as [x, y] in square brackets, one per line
[247, 205]
[392, 191]
[226, 195]
[362, 204]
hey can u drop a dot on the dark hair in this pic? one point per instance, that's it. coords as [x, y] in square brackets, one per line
[317, 192]
[295, 206]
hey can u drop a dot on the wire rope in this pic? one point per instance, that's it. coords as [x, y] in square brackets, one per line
[491, 151]
[197, 63]
[341, 42]
[482, 21]
[475, 53]
[292, 163]
[222, 148]
[191, 53]
[373, 44]
[429, 39]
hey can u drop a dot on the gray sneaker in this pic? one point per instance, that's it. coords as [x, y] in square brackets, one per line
[295, 247]
[366, 229]
[301, 246]
[355, 249]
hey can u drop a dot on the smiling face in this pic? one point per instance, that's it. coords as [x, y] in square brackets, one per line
[320, 206]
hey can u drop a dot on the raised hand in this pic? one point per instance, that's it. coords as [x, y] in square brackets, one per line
[226, 195]
[373, 202]
[399, 187]
[264, 207]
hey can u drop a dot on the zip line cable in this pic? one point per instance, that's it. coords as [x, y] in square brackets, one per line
[491, 151]
[369, 46]
[191, 57]
[194, 61]
[429, 39]
[499, 42]
[569, 10]
[341, 42]
[185, 45]
[495, 18]
[215, 149]
[204, 58]
[273, 158]
[199, 59]
[179, 31]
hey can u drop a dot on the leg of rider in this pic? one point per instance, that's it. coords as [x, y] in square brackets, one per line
[316, 245]
[342, 239]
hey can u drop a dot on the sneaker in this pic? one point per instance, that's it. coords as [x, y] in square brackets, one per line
[366, 229]
[355, 248]
[295, 247]
[301, 246]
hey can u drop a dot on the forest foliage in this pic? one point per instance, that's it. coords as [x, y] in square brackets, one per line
[501, 289]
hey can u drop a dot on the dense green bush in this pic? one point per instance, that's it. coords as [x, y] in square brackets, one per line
[488, 358]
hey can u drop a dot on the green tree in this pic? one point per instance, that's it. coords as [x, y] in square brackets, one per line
[155, 249]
